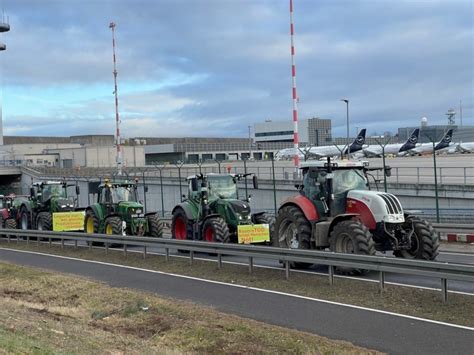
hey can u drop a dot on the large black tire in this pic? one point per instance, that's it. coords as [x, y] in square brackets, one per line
[215, 229]
[181, 227]
[24, 219]
[91, 225]
[155, 226]
[424, 241]
[113, 226]
[266, 218]
[292, 230]
[351, 237]
[44, 221]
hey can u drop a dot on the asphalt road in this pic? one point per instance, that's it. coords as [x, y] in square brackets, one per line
[372, 329]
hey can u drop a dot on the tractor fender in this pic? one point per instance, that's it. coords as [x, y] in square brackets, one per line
[340, 218]
[304, 204]
[185, 207]
[97, 211]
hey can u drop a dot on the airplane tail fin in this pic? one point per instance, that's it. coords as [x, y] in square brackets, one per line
[446, 141]
[358, 142]
[411, 141]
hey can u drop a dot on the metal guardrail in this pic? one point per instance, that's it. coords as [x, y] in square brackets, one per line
[382, 265]
[454, 228]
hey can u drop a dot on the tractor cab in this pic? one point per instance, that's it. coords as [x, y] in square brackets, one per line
[321, 182]
[120, 197]
[52, 194]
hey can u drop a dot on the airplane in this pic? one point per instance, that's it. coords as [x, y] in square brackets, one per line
[467, 147]
[443, 145]
[375, 150]
[324, 151]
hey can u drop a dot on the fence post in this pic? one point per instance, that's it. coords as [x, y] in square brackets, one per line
[125, 249]
[331, 274]
[191, 257]
[274, 187]
[444, 289]
[250, 265]
[219, 261]
[167, 254]
[417, 174]
[381, 281]
[465, 176]
[144, 252]
[287, 269]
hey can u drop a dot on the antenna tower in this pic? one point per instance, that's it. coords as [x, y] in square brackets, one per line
[117, 119]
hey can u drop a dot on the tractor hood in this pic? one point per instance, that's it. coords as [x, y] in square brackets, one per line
[384, 207]
[133, 207]
[240, 208]
[62, 204]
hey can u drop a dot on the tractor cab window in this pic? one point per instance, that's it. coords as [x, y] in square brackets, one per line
[222, 187]
[123, 193]
[348, 179]
[49, 191]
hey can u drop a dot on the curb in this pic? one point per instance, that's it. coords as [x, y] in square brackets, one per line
[462, 238]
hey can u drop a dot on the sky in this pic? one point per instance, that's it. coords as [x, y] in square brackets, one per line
[211, 68]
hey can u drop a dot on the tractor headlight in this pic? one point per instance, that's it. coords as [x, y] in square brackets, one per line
[240, 217]
[139, 211]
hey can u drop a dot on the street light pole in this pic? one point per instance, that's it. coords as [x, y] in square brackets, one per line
[347, 117]
[250, 143]
[433, 142]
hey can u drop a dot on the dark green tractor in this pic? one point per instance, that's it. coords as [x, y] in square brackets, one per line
[213, 212]
[117, 211]
[46, 198]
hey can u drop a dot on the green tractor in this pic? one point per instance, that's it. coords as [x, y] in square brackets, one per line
[213, 212]
[46, 198]
[117, 211]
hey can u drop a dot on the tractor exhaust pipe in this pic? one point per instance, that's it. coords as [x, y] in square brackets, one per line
[329, 185]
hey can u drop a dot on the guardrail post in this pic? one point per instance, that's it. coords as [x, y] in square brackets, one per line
[28, 239]
[191, 257]
[381, 281]
[219, 261]
[50, 241]
[331, 274]
[125, 249]
[8, 238]
[106, 248]
[465, 176]
[167, 254]
[38, 241]
[287, 269]
[250, 265]
[90, 244]
[144, 252]
[62, 243]
[75, 244]
[444, 289]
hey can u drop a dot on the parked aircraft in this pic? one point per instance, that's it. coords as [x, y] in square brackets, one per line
[443, 144]
[375, 150]
[324, 151]
[467, 147]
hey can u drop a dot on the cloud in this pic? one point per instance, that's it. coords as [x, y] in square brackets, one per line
[210, 67]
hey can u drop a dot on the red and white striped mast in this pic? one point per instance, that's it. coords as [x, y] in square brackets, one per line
[294, 95]
[117, 119]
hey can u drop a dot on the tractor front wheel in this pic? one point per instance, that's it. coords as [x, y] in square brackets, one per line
[266, 218]
[44, 221]
[24, 219]
[292, 230]
[424, 242]
[155, 226]
[351, 237]
[215, 229]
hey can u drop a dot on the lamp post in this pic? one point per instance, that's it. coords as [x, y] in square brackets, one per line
[433, 142]
[250, 143]
[347, 117]
[380, 143]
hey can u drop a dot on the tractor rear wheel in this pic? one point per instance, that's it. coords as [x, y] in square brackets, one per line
[351, 237]
[424, 241]
[155, 226]
[113, 226]
[292, 230]
[44, 221]
[91, 225]
[181, 227]
[10, 223]
[215, 229]
[266, 218]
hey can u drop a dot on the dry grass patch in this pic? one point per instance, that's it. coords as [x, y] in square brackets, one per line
[48, 313]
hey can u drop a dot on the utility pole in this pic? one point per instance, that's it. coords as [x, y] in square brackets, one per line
[117, 119]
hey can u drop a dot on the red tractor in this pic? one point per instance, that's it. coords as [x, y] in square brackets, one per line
[7, 212]
[335, 209]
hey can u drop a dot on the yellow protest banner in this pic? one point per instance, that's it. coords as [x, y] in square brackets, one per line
[68, 221]
[253, 233]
